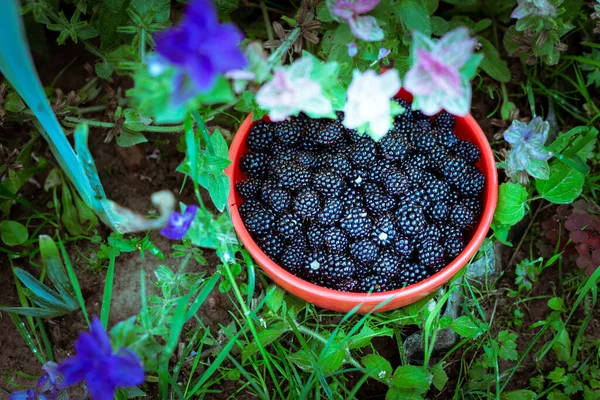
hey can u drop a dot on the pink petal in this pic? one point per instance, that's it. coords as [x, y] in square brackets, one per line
[363, 6]
[579, 236]
[366, 28]
[444, 77]
[418, 81]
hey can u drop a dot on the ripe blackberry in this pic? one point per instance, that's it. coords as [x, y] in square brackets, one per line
[444, 120]
[316, 237]
[329, 184]
[412, 273]
[293, 177]
[353, 136]
[293, 259]
[370, 188]
[379, 203]
[403, 246]
[393, 147]
[289, 131]
[255, 165]
[472, 183]
[424, 141]
[288, 226]
[281, 157]
[272, 245]
[314, 264]
[352, 199]
[300, 241]
[419, 116]
[410, 219]
[347, 285]
[454, 197]
[384, 231]
[248, 207]
[454, 169]
[306, 204]
[259, 222]
[461, 217]
[419, 161]
[412, 173]
[356, 223]
[278, 199]
[438, 212]
[417, 196]
[388, 263]
[364, 251]
[407, 108]
[358, 177]
[363, 153]
[331, 212]
[305, 159]
[338, 267]
[453, 245]
[432, 232]
[338, 163]
[445, 137]
[468, 151]
[450, 230]
[395, 182]
[438, 156]
[329, 133]
[373, 283]
[261, 137]
[378, 171]
[430, 254]
[403, 124]
[249, 188]
[473, 204]
[336, 240]
[435, 189]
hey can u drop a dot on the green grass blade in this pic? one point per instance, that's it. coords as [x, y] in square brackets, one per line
[74, 282]
[27, 337]
[175, 329]
[43, 292]
[108, 290]
[199, 300]
[56, 270]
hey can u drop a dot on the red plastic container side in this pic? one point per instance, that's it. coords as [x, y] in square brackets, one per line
[466, 129]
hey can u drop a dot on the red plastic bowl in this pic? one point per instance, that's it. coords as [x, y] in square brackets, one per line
[467, 129]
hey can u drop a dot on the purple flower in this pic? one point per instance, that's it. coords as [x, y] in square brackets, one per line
[103, 370]
[179, 223]
[436, 77]
[383, 53]
[541, 8]
[527, 151]
[352, 49]
[363, 27]
[46, 388]
[28, 394]
[201, 47]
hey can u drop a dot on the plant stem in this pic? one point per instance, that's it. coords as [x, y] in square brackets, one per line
[149, 128]
[265, 14]
[84, 110]
[524, 234]
[204, 132]
[278, 54]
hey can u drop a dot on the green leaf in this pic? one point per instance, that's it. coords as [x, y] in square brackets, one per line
[275, 300]
[14, 103]
[332, 358]
[414, 16]
[110, 15]
[13, 233]
[564, 186]
[323, 13]
[378, 368]
[539, 169]
[557, 375]
[511, 204]
[218, 188]
[523, 394]
[410, 377]
[134, 120]
[465, 327]
[104, 70]
[492, 64]
[143, 7]
[439, 376]
[41, 294]
[508, 345]
[69, 216]
[129, 138]
[557, 304]
[562, 345]
[56, 270]
[226, 6]
[364, 337]
[302, 358]
[220, 93]
[266, 337]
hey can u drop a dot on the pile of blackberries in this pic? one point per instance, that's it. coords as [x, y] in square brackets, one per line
[345, 212]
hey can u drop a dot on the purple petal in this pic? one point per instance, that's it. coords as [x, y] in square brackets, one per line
[383, 52]
[28, 394]
[168, 45]
[179, 224]
[126, 369]
[201, 72]
[444, 77]
[100, 389]
[418, 81]
[74, 371]
[366, 28]
[202, 14]
[352, 49]
[343, 9]
[100, 336]
[363, 6]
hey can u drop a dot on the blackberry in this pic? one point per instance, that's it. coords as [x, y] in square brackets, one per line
[364, 251]
[338, 267]
[472, 183]
[300, 241]
[331, 212]
[358, 177]
[282, 157]
[403, 246]
[353, 136]
[261, 137]
[454, 197]
[356, 223]
[277, 199]
[272, 245]
[288, 226]
[410, 219]
[435, 190]
[347, 285]
[259, 222]
[255, 165]
[338, 163]
[431, 254]
[293, 177]
[444, 120]
[449, 230]
[403, 124]
[363, 153]
[445, 137]
[432, 232]
[316, 237]
[473, 204]
[289, 131]
[373, 283]
[395, 182]
[412, 173]
[404, 104]
[468, 151]
[370, 188]
[336, 240]
[424, 141]
[306, 204]
[384, 231]
[393, 147]
[461, 217]
[454, 169]
[453, 245]
[412, 273]
[388, 263]
[378, 171]
[419, 161]
[248, 207]
[328, 184]
[352, 199]
[293, 259]
[438, 156]
[249, 188]
[306, 159]
[329, 133]
[417, 196]
[419, 116]
[438, 212]
[314, 264]
[379, 203]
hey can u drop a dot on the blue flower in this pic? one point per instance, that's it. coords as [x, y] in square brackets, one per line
[28, 394]
[46, 388]
[103, 370]
[201, 47]
[179, 224]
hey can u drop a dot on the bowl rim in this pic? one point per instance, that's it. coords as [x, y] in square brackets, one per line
[278, 273]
